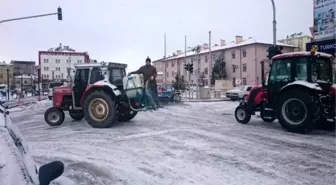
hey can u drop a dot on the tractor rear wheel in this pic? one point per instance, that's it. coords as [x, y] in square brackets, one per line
[76, 115]
[100, 109]
[242, 114]
[54, 116]
[295, 111]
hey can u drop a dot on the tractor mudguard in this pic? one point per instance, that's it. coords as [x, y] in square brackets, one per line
[256, 96]
[101, 84]
[301, 84]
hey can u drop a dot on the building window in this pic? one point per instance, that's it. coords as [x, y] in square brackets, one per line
[234, 68]
[1, 76]
[46, 68]
[222, 55]
[166, 64]
[244, 53]
[68, 61]
[45, 60]
[244, 67]
[173, 73]
[79, 61]
[234, 82]
[205, 71]
[206, 58]
[214, 56]
[58, 61]
[58, 68]
[233, 55]
[167, 74]
[173, 64]
[244, 81]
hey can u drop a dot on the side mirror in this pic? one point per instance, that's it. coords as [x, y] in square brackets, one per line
[50, 172]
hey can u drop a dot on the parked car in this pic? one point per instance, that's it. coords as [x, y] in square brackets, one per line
[238, 93]
[17, 166]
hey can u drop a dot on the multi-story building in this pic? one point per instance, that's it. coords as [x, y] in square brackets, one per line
[26, 82]
[298, 40]
[4, 75]
[56, 63]
[23, 67]
[242, 58]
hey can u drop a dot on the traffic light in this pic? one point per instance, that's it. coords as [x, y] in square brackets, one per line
[59, 13]
[271, 52]
[186, 67]
[191, 68]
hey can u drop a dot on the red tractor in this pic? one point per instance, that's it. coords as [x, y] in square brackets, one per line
[298, 91]
[97, 93]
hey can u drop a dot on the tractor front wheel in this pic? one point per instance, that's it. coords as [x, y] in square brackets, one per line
[54, 116]
[242, 114]
[296, 112]
[76, 115]
[100, 109]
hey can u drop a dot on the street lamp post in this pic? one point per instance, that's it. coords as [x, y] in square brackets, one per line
[197, 50]
[7, 84]
[274, 23]
[38, 82]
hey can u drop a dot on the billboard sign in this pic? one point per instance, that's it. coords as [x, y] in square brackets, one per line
[324, 19]
[326, 46]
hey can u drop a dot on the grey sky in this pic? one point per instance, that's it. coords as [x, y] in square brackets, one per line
[130, 30]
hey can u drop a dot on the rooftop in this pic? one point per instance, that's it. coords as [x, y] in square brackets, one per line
[21, 61]
[230, 45]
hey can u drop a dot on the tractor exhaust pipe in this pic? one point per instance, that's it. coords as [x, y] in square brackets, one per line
[262, 72]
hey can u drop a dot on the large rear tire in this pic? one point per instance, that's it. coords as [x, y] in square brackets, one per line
[242, 114]
[54, 116]
[296, 111]
[76, 115]
[100, 110]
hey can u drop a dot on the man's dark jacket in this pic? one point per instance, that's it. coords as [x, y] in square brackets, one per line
[147, 72]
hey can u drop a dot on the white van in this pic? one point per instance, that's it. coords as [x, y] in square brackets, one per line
[51, 88]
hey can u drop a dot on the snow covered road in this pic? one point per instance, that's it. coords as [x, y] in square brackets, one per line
[191, 143]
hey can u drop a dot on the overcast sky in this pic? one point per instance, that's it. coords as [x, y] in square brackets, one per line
[130, 30]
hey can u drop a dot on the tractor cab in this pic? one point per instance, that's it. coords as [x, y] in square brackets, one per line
[117, 72]
[305, 68]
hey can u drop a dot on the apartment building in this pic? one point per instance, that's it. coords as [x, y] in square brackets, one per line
[56, 62]
[23, 67]
[3, 73]
[242, 58]
[298, 40]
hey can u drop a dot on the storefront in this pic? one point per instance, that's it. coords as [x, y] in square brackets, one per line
[326, 46]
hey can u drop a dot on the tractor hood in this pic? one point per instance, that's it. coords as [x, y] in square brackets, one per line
[61, 89]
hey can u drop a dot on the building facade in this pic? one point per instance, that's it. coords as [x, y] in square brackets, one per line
[55, 63]
[242, 59]
[23, 67]
[324, 29]
[298, 40]
[26, 82]
[3, 74]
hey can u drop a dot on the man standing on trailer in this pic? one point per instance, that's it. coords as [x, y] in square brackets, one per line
[149, 73]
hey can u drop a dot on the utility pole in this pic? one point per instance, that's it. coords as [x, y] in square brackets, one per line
[197, 50]
[164, 59]
[274, 23]
[185, 58]
[210, 61]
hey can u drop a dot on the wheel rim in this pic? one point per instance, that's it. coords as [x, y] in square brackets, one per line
[98, 109]
[294, 111]
[53, 117]
[241, 114]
